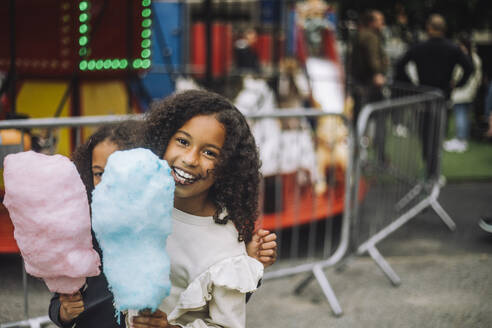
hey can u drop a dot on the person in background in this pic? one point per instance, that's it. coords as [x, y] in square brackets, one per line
[369, 67]
[369, 61]
[245, 53]
[435, 60]
[463, 97]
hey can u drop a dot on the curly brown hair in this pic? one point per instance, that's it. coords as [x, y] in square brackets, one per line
[125, 134]
[237, 174]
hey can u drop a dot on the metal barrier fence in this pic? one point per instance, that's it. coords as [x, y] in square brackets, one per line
[399, 153]
[365, 184]
[313, 202]
[299, 198]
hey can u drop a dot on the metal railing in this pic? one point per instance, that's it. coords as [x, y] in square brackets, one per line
[293, 202]
[325, 213]
[399, 153]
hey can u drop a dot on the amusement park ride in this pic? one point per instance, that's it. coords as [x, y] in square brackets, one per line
[99, 57]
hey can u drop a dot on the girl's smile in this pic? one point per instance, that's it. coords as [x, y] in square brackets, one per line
[192, 154]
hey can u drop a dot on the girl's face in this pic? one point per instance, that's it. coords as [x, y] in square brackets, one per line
[100, 155]
[192, 154]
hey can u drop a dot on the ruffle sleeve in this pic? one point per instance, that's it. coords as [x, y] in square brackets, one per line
[241, 273]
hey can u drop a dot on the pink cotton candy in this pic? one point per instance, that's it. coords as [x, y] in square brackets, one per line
[48, 206]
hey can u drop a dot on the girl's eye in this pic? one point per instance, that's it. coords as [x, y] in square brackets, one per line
[210, 153]
[98, 174]
[182, 141]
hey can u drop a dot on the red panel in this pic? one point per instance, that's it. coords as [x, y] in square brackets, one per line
[7, 241]
[330, 46]
[218, 51]
[228, 47]
[198, 49]
[46, 35]
[264, 47]
[310, 207]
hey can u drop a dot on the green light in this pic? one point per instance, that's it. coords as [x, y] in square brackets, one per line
[147, 22]
[83, 5]
[83, 40]
[115, 64]
[83, 17]
[107, 64]
[146, 12]
[146, 33]
[83, 28]
[99, 64]
[137, 63]
[145, 53]
[145, 43]
[83, 51]
[83, 65]
[146, 63]
[145, 3]
[91, 65]
[123, 63]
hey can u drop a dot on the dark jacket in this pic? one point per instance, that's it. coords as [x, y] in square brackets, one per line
[368, 56]
[435, 60]
[98, 304]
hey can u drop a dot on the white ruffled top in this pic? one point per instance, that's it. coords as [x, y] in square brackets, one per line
[210, 273]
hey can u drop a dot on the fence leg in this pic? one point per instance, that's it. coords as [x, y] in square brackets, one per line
[303, 284]
[414, 192]
[327, 290]
[381, 262]
[443, 215]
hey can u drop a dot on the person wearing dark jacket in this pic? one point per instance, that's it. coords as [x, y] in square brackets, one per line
[435, 60]
[369, 61]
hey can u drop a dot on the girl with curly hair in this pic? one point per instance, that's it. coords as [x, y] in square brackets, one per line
[93, 305]
[214, 161]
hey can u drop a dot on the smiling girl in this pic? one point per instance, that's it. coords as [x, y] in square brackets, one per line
[92, 306]
[214, 161]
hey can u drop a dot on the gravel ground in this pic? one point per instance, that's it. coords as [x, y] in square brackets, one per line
[446, 278]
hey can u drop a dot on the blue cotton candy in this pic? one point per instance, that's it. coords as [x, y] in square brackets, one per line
[131, 218]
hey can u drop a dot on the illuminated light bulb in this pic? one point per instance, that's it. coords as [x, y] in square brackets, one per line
[115, 64]
[91, 65]
[83, 17]
[83, 5]
[83, 65]
[137, 63]
[99, 64]
[123, 63]
[83, 40]
[83, 28]
[146, 63]
[146, 12]
[145, 3]
[83, 51]
[145, 43]
[107, 64]
[147, 22]
[146, 33]
[145, 53]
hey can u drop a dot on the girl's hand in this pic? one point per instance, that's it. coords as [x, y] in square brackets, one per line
[146, 319]
[263, 247]
[71, 306]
